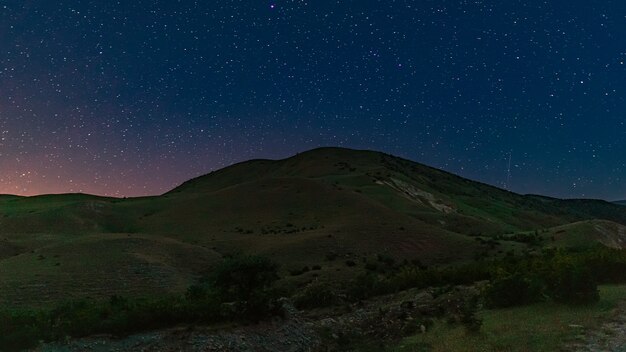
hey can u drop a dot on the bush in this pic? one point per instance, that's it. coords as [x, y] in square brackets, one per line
[316, 295]
[364, 286]
[386, 259]
[246, 281]
[21, 329]
[574, 285]
[371, 266]
[241, 278]
[298, 272]
[513, 290]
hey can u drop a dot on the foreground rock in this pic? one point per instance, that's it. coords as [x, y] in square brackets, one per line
[610, 337]
[291, 334]
[379, 320]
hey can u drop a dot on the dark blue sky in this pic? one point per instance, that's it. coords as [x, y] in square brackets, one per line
[134, 97]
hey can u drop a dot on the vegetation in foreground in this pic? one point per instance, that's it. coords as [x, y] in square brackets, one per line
[556, 286]
[244, 286]
[537, 327]
[237, 289]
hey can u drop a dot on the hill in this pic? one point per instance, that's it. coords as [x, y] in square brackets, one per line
[318, 208]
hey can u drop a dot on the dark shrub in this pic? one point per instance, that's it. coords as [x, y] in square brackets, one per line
[21, 329]
[363, 286]
[574, 284]
[316, 295]
[246, 281]
[513, 290]
[240, 278]
[298, 272]
[371, 266]
[386, 259]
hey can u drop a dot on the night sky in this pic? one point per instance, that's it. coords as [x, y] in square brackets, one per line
[134, 97]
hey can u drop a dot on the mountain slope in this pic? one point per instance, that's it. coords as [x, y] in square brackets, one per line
[579, 234]
[318, 208]
[430, 195]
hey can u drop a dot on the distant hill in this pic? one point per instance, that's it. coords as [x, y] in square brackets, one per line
[321, 207]
[620, 202]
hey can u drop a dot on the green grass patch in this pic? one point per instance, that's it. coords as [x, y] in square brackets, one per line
[537, 327]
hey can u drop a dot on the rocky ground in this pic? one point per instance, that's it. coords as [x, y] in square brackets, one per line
[610, 337]
[291, 334]
[285, 337]
[383, 319]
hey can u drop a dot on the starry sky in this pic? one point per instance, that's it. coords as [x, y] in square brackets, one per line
[134, 97]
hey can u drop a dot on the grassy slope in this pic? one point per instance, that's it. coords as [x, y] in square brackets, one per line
[297, 211]
[102, 265]
[580, 233]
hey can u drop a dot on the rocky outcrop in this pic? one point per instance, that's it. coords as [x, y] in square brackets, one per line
[289, 334]
[378, 320]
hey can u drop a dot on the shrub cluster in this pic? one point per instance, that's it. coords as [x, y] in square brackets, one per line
[243, 287]
[239, 288]
[316, 295]
[22, 328]
[410, 275]
[512, 290]
[565, 277]
[559, 275]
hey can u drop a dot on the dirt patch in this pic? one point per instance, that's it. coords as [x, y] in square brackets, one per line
[610, 337]
[612, 235]
[417, 195]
